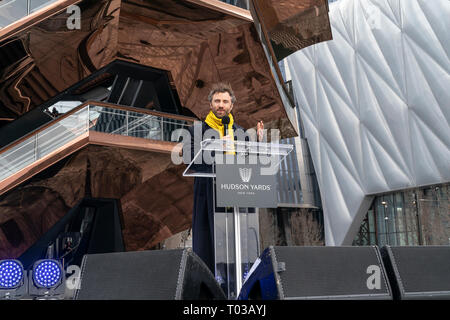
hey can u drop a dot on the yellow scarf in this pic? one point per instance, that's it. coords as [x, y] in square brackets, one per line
[216, 123]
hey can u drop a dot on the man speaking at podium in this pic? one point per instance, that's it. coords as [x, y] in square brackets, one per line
[221, 101]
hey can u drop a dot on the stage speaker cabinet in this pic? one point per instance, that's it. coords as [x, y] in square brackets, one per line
[418, 272]
[147, 275]
[301, 273]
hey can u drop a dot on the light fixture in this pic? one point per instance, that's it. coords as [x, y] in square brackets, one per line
[47, 279]
[13, 284]
[47, 273]
[11, 274]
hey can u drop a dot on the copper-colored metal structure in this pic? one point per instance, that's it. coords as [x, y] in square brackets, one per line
[292, 25]
[90, 137]
[198, 42]
[156, 200]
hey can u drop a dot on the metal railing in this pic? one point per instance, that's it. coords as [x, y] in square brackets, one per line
[13, 10]
[90, 116]
[134, 124]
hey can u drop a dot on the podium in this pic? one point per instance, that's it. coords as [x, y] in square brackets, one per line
[243, 174]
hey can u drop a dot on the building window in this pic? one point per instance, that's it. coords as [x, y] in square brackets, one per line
[412, 217]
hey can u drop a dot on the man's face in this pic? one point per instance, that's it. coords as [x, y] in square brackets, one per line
[221, 104]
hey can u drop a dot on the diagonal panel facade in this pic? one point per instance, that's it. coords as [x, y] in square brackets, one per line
[375, 105]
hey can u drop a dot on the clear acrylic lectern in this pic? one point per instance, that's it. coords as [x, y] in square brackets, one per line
[236, 229]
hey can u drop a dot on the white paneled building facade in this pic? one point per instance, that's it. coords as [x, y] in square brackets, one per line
[374, 103]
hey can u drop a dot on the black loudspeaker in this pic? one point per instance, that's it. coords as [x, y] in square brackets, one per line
[418, 272]
[294, 273]
[147, 275]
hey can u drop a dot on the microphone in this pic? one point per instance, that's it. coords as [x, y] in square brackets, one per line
[225, 122]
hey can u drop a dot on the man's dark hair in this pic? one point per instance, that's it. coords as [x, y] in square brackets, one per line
[221, 87]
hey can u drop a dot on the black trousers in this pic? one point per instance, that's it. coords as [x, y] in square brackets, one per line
[203, 221]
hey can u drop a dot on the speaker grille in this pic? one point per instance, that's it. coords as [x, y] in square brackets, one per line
[329, 272]
[141, 275]
[422, 269]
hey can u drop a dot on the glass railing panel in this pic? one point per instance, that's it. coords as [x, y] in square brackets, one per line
[144, 126]
[133, 124]
[11, 11]
[18, 157]
[43, 143]
[106, 120]
[62, 132]
[36, 5]
[172, 125]
[96, 118]
[238, 3]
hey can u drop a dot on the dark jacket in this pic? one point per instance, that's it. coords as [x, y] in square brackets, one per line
[190, 150]
[203, 211]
